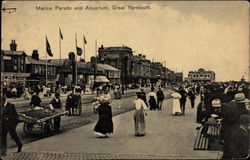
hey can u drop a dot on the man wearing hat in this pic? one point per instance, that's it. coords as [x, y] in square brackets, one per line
[231, 113]
[9, 123]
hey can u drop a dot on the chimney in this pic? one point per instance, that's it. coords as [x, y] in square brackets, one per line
[139, 55]
[13, 45]
[144, 56]
[72, 56]
[35, 54]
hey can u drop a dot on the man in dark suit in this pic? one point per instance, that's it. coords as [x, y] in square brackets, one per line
[241, 139]
[231, 113]
[192, 97]
[9, 123]
[183, 99]
[56, 103]
[160, 98]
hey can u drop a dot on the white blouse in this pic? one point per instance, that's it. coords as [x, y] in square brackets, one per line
[138, 103]
[176, 95]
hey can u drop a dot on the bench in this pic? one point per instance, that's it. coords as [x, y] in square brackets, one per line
[208, 140]
[201, 141]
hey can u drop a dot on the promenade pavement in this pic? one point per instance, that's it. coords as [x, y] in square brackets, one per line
[167, 137]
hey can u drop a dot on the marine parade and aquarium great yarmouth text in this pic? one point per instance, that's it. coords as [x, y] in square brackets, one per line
[92, 8]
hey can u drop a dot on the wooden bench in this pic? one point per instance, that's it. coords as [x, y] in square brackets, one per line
[201, 141]
[208, 140]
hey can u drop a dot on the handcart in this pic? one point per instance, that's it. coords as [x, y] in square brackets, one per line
[41, 118]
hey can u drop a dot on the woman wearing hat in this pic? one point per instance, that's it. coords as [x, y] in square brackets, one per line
[152, 100]
[139, 120]
[176, 110]
[104, 125]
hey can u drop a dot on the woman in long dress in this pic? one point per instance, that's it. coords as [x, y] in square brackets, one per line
[104, 125]
[176, 110]
[152, 100]
[139, 119]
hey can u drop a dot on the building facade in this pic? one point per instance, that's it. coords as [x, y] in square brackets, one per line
[201, 76]
[120, 58]
[37, 68]
[13, 65]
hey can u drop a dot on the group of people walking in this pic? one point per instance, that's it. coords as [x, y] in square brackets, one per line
[179, 96]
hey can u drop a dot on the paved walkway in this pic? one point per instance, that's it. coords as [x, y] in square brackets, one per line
[167, 137]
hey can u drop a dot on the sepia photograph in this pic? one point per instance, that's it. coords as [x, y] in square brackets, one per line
[124, 79]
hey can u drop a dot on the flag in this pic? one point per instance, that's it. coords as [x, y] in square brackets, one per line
[79, 51]
[48, 48]
[61, 36]
[85, 42]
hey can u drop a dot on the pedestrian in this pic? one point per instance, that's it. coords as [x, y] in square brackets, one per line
[176, 110]
[143, 96]
[231, 113]
[71, 103]
[9, 123]
[35, 100]
[56, 103]
[241, 139]
[104, 125]
[160, 98]
[26, 94]
[183, 99]
[139, 119]
[191, 96]
[152, 100]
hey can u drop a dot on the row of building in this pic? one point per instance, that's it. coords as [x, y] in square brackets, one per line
[115, 65]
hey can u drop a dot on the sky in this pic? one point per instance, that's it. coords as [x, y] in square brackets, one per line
[188, 35]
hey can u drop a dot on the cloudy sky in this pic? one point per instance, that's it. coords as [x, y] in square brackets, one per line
[187, 35]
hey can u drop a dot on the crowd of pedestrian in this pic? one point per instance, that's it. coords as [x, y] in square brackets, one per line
[228, 104]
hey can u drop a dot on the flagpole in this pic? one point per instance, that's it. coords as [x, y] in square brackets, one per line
[60, 45]
[76, 61]
[46, 74]
[84, 56]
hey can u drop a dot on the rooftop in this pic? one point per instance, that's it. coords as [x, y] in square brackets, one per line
[8, 52]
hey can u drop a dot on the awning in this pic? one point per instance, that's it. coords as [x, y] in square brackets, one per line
[101, 79]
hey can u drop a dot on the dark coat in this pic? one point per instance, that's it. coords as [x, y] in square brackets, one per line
[183, 94]
[72, 100]
[191, 94]
[56, 104]
[10, 116]
[35, 100]
[160, 95]
[240, 143]
[231, 113]
[104, 124]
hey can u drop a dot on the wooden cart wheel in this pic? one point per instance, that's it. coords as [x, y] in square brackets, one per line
[27, 128]
[48, 127]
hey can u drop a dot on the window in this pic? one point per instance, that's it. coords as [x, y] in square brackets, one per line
[15, 61]
[15, 67]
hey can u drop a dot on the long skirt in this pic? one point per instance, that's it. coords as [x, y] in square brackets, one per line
[139, 123]
[176, 110]
[152, 103]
